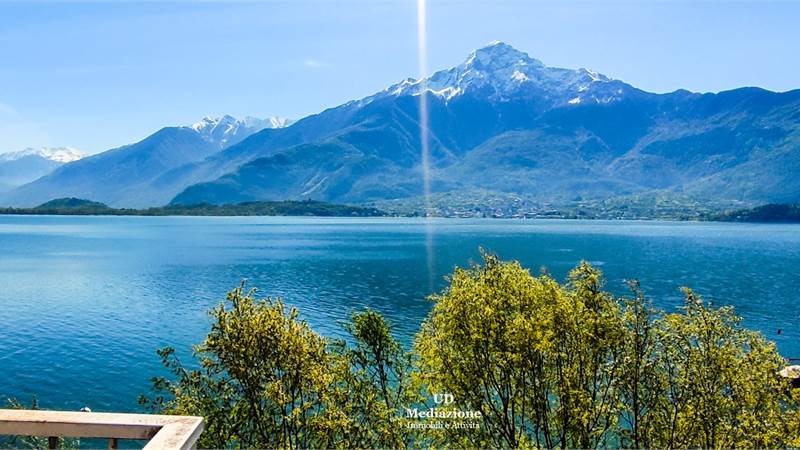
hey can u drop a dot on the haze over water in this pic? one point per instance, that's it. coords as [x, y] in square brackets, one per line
[86, 301]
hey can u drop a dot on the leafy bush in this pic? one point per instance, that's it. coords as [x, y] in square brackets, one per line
[545, 364]
[268, 381]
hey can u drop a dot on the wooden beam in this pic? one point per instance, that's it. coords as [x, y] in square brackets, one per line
[173, 432]
[180, 434]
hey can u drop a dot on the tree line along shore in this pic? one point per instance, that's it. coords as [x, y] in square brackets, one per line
[770, 213]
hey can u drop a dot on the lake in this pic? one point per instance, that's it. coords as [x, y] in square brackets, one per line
[86, 301]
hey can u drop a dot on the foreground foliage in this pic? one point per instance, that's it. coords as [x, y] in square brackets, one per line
[574, 367]
[546, 364]
[268, 381]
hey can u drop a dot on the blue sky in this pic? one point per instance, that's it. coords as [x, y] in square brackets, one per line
[97, 75]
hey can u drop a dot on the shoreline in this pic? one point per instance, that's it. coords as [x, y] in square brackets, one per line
[767, 214]
[389, 216]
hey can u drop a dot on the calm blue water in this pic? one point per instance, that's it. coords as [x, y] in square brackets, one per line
[85, 301]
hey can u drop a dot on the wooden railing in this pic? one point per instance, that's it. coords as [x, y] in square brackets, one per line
[161, 432]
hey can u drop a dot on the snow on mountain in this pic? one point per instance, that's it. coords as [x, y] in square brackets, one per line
[24, 166]
[227, 130]
[57, 154]
[503, 72]
[274, 121]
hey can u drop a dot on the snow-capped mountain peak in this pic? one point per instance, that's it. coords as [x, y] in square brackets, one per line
[227, 130]
[227, 122]
[57, 154]
[501, 72]
[210, 122]
[499, 55]
[274, 121]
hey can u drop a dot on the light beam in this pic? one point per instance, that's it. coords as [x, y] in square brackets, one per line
[422, 52]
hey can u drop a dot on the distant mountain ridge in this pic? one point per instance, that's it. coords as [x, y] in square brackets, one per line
[128, 176]
[227, 130]
[24, 166]
[57, 154]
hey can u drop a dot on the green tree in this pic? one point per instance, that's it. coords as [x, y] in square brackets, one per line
[586, 361]
[572, 366]
[641, 384]
[484, 343]
[547, 365]
[718, 383]
[538, 360]
[266, 380]
[378, 385]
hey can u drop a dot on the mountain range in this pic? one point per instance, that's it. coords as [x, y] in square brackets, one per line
[21, 167]
[500, 121]
[133, 175]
